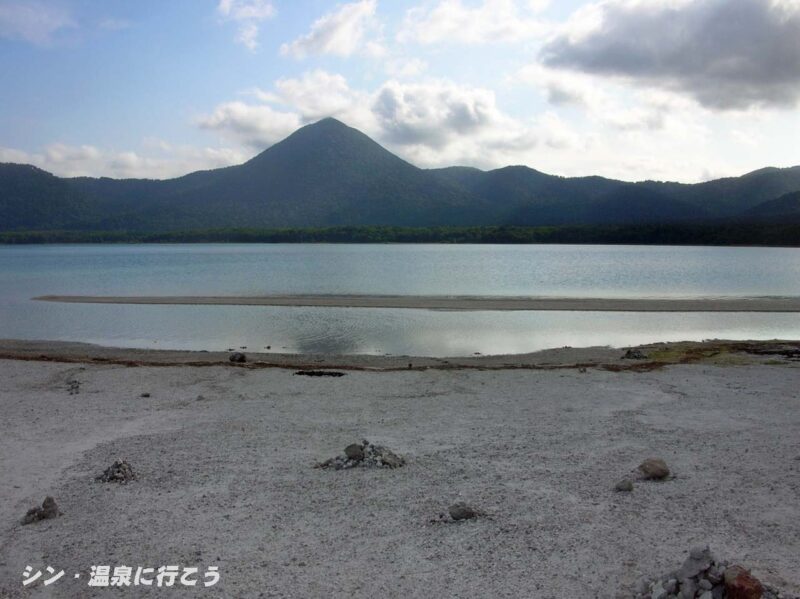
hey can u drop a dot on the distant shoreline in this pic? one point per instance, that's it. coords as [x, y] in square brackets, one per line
[717, 233]
[458, 303]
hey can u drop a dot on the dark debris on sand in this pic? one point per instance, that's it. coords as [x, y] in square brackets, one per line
[319, 373]
[48, 510]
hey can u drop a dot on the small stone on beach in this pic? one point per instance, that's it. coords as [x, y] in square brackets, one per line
[461, 511]
[624, 486]
[654, 469]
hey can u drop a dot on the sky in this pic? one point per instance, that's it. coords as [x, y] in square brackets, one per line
[681, 90]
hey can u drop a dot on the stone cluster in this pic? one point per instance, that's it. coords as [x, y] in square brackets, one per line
[702, 576]
[48, 510]
[364, 454]
[118, 472]
[635, 354]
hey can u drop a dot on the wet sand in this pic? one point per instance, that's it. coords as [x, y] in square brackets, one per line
[727, 304]
[224, 454]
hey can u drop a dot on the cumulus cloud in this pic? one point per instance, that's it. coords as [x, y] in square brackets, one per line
[33, 21]
[490, 21]
[726, 54]
[162, 162]
[432, 113]
[248, 14]
[256, 126]
[351, 28]
[431, 123]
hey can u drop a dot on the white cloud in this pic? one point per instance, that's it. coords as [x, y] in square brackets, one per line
[256, 126]
[432, 123]
[32, 21]
[726, 54]
[343, 32]
[433, 113]
[405, 67]
[162, 162]
[248, 14]
[491, 21]
[319, 94]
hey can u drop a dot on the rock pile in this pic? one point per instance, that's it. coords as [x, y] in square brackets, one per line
[118, 472]
[634, 354]
[364, 454]
[702, 576]
[238, 358]
[48, 510]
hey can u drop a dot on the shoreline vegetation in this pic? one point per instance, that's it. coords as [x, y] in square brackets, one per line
[761, 234]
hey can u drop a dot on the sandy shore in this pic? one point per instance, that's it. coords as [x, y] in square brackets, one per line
[224, 457]
[743, 304]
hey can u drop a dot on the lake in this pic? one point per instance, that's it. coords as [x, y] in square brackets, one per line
[481, 270]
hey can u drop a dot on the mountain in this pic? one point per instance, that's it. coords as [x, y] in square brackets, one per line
[31, 198]
[786, 207]
[328, 174]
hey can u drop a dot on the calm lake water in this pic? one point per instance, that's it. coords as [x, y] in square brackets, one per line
[492, 270]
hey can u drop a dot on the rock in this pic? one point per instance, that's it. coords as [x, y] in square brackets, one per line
[238, 358]
[692, 567]
[658, 591]
[740, 584]
[654, 469]
[634, 354]
[354, 452]
[707, 595]
[461, 511]
[48, 510]
[118, 472]
[145, 395]
[624, 486]
[688, 588]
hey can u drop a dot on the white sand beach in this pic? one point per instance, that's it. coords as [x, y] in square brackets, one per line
[224, 459]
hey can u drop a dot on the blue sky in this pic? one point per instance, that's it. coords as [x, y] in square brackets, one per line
[664, 89]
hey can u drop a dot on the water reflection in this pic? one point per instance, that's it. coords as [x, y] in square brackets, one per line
[377, 331]
[421, 269]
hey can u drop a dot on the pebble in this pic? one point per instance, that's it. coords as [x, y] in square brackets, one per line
[624, 486]
[461, 511]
